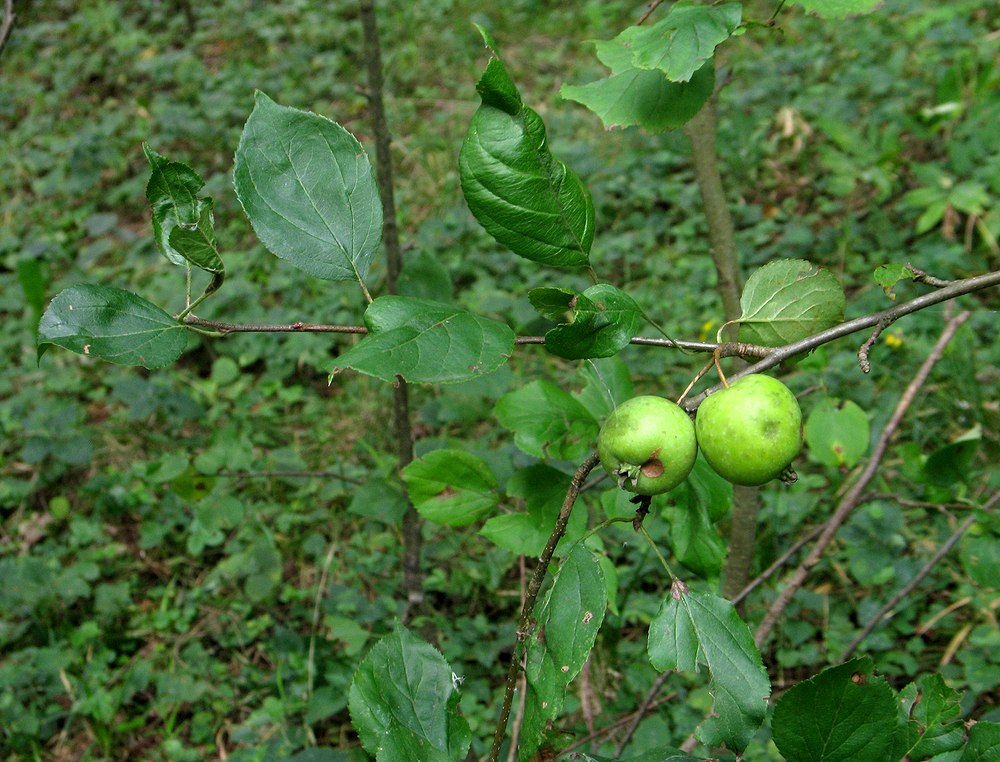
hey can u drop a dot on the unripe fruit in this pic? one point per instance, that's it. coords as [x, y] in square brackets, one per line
[648, 444]
[751, 431]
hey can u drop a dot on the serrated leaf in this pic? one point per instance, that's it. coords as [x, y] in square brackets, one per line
[113, 324]
[172, 191]
[843, 714]
[404, 703]
[568, 619]
[788, 300]
[601, 322]
[693, 629]
[547, 422]
[427, 342]
[680, 43]
[837, 9]
[633, 97]
[518, 190]
[984, 743]
[931, 721]
[837, 433]
[666, 754]
[451, 487]
[307, 186]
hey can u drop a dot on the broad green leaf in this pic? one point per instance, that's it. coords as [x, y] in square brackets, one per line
[681, 42]
[788, 300]
[33, 283]
[427, 342]
[984, 743]
[837, 433]
[568, 619]
[451, 487]
[113, 324]
[543, 489]
[843, 714]
[837, 9]
[307, 186]
[695, 503]
[547, 422]
[930, 723]
[694, 628]
[183, 225]
[518, 190]
[600, 322]
[887, 276]
[404, 703]
[633, 97]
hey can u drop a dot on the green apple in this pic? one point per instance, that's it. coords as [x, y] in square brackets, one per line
[648, 444]
[751, 431]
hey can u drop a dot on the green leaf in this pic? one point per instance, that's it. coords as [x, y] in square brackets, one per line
[837, 9]
[307, 186]
[952, 463]
[451, 487]
[984, 743]
[680, 43]
[931, 720]
[547, 422]
[404, 703]
[981, 559]
[600, 322]
[694, 628]
[517, 189]
[700, 499]
[666, 754]
[837, 433]
[568, 619]
[843, 714]
[172, 192]
[113, 324]
[543, 489]
[887, 276]
[788, 300]
[33, 283]
[633, 97]
[427, 342]
[607, 384]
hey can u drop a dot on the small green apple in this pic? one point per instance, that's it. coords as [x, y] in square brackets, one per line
[648, 444]
[751, 431]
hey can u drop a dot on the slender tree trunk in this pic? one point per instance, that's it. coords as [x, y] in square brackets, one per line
[722, 240]
[412, 577]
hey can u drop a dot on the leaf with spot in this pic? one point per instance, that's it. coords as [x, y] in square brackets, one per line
[518, 190]
[113, 324]
[404, 703]
[568, 619]
[427, 342]
[451, 487]
[308, 188]
[693, 629]
[788, 300]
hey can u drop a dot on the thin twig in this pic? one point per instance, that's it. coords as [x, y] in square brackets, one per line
[8, 22]
[883, 613]
[640, 713]
[649, 11]
[608, 729]
[851, 498]
[780, 354]
[778, 563]
[525, 624]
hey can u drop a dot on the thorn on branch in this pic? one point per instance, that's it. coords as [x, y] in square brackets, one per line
[920, 276]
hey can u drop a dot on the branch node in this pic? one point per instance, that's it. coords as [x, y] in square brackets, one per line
[866, 348]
